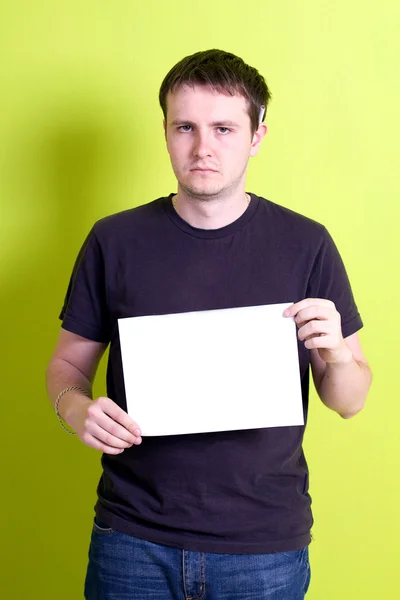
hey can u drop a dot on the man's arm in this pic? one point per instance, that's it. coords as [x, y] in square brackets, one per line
[343, 387]
[340, 371]
[101, 424]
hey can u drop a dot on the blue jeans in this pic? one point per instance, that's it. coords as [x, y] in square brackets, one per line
[122, 567]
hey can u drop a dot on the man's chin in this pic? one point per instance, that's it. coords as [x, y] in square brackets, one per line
[202, 192]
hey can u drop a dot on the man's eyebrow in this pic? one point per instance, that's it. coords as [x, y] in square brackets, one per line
[225, 124]
[213, 124]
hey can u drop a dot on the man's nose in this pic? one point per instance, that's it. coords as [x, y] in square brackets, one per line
[202, 146]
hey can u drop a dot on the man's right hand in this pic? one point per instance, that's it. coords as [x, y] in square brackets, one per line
[100, 424]
[103, 425]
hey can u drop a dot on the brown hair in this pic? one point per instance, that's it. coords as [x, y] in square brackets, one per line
[225, 73]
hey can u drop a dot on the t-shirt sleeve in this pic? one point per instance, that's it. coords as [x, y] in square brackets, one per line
[85, 310]
[329, 280]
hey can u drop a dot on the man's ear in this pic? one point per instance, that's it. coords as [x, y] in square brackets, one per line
[165, 129]
[258, 138]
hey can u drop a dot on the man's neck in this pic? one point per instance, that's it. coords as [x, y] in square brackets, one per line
[213, 212]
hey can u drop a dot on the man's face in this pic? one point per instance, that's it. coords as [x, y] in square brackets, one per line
[209, 140]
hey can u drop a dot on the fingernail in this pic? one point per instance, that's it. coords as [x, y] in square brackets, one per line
[137, 432]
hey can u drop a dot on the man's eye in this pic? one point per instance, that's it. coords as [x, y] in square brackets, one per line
[184, 128]
[223, 130]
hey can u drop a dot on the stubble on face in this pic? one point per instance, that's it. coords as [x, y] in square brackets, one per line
[211, 190]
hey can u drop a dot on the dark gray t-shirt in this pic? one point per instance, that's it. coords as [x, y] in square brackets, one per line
[230, 492]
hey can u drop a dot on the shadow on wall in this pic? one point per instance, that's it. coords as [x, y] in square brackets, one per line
[59, 180]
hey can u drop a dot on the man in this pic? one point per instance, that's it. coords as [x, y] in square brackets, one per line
[221, 515]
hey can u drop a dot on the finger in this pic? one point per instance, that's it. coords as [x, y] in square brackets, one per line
[93, 442]
[107, 438]
[313, 329]
[120, 416]
[96, 416]
[321, 342]
[310, 337]
[113, 434]
[291, 311]
[314, 312]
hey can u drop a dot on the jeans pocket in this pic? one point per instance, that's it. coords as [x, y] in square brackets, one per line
[304, 556]
[101, 528]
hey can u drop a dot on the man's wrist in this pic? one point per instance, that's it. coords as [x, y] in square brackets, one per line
[342, 358]
[69, 400]
[342, 362]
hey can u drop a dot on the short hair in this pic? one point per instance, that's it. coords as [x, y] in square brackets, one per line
[225, 73]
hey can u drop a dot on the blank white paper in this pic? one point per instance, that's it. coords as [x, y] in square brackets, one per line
[215, 370]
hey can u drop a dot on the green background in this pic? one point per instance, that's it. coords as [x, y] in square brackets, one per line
[81, 137]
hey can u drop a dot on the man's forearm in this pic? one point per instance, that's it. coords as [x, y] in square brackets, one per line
[344, 387]
[61, 375]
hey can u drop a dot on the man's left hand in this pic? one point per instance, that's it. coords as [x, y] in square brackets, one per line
[319, 325]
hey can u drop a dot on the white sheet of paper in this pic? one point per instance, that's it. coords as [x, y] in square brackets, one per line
[216, 370]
